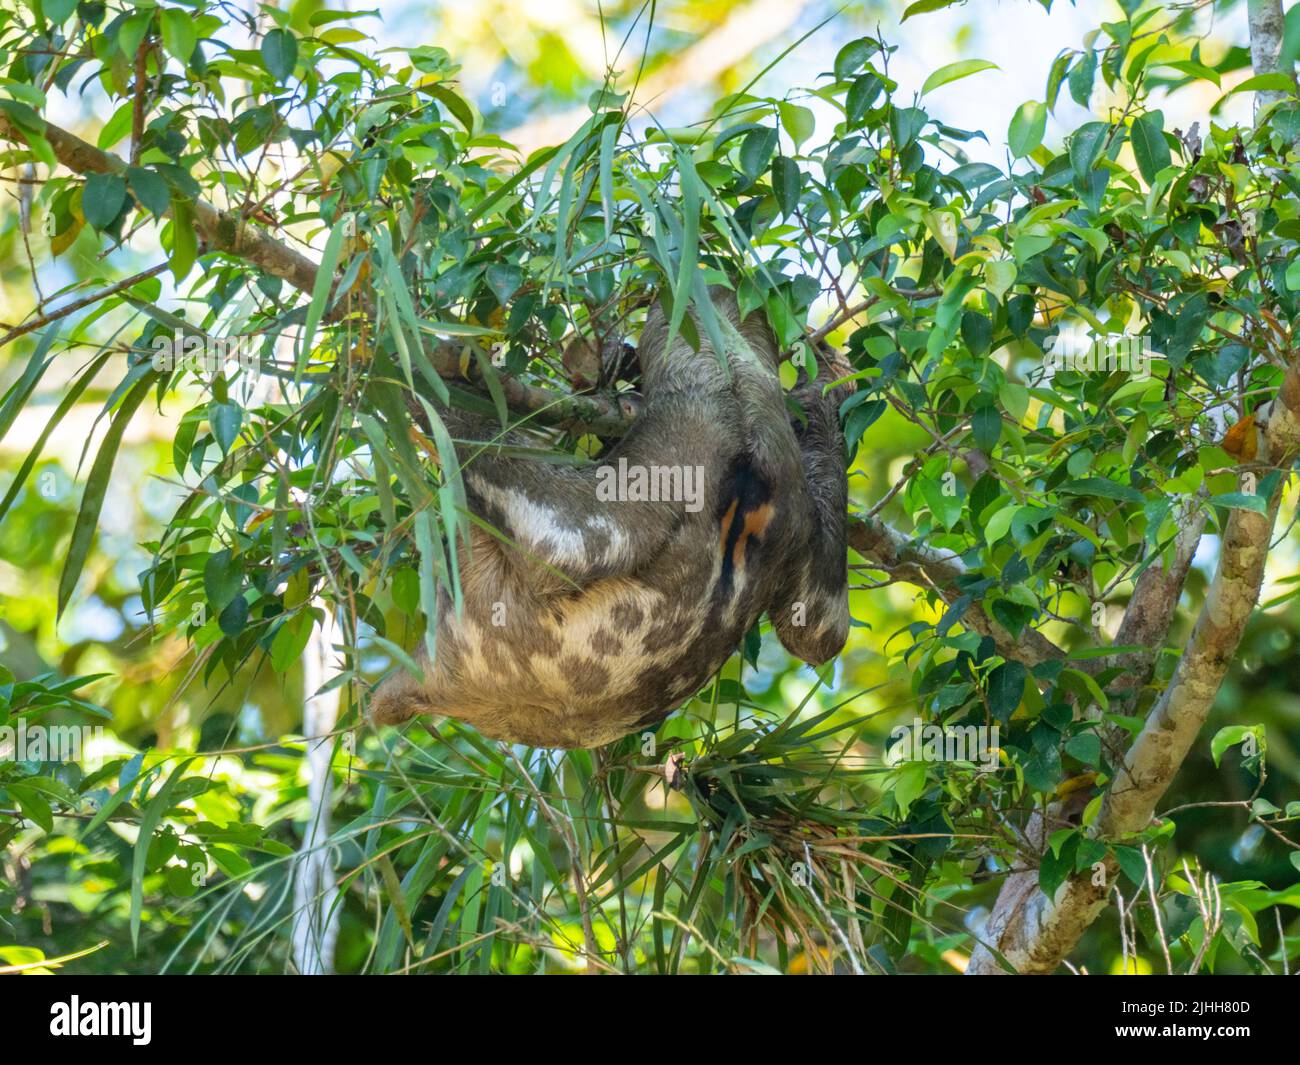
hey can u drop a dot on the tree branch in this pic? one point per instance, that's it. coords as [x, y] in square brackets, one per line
[43, 320]
[917, 563]
[1034, 933]
[221, 230]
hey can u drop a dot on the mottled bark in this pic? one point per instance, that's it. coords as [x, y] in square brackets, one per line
[1267, 27]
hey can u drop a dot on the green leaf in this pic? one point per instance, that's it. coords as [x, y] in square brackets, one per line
[1105, 652]
[1274, 82]
[986, 427]
[854, 56]
[32, 128]
[755, 151]
[1000, 275]
[92, 500]
[223, 576]
[997, 525]
[1241, 501]
[116, 127]
[1149, 145]
[1086, 747]
[861, 95]
[33, 805]
[179, 33]
[963, 68]
[1006, 687]
[1101, 488]
[504, 280]
[689, 184]
[131, 32]
[320, 291]
[1057, 864]
[406, 590]
[69, 400]
[290, 640]
[280, 53]
[153, 813]
[923, 7]
[1027, 127]
[58, 11]
[1231, 735]
[234, 618]
[460, 109]
[20, 391]
[906, 123]
[1082, 76]
[799, 122]
[1085, 146]
[946, 508]
[184, 240]
[148, 187]
[786, 181]
[102, 199]
[910, 786]
[226, 420]
[1131, 863]
[127, 780]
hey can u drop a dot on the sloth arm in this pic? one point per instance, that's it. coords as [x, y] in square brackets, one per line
[810, 607]
[553, 515]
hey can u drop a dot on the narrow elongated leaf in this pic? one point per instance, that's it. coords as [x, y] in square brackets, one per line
[153, 814]
[320, 292]
[96, 486]
[690, 208]
[69, 400]
[19, 392]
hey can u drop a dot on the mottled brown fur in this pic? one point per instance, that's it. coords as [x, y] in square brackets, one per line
[654, 596]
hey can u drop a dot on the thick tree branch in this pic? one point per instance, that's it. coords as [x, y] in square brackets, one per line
[1033, 932]
[220, 230]
[917, 563]
[225, 231]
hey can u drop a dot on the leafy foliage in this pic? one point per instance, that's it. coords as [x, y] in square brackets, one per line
[452, 274]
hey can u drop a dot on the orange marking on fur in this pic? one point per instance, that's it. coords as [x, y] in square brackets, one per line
[727, 519]
[756, 522]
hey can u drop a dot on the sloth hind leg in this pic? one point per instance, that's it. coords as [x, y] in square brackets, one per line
[401, 698]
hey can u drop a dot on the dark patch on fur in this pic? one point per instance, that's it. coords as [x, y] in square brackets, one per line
[584, 676]
[744, 491]
[627, 616]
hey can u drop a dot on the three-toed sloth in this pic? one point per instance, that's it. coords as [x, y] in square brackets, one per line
[610, 593]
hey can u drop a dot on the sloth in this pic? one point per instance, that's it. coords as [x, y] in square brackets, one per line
[606, 595]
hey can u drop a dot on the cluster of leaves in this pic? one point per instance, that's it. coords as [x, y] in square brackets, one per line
[307, 486]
